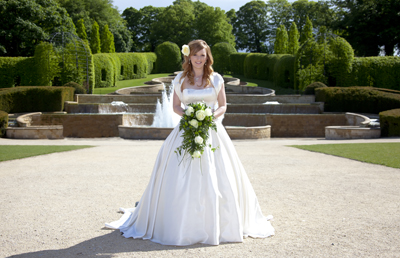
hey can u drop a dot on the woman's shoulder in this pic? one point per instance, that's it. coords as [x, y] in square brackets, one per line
[216, 75]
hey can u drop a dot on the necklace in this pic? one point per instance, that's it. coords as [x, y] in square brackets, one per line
[196, 79]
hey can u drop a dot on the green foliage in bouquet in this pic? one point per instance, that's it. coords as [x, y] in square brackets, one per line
[195, 124]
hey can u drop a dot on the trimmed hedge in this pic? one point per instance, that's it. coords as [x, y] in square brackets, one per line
[275, 68]
[113, 67]
[16, 71]
[284, 71]
[39, 70]
[3, 123]
[79, 89]
[151, 61]
[35, 99]
[356, 99]
[169, 58]
[221, 53]
[380, 72]
[310, 89]
[390, 122]
[237, 62]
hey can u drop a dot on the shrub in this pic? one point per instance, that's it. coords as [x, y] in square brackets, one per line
[79, 89]
[237, 62]
[169, 58]
[3, 123]
[221, 53]
[310, 89]
[390, 122]
[35, 99]
[356, 99]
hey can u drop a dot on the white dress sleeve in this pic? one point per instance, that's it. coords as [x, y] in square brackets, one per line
[217, 81]
[177, 85]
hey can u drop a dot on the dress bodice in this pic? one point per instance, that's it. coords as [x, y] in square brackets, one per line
[208, 95]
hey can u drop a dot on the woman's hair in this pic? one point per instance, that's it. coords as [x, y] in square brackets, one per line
[195, 46]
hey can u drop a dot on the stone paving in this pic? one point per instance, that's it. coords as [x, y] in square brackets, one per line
[56, 205]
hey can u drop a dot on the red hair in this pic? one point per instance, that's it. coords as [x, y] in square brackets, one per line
[195, 46]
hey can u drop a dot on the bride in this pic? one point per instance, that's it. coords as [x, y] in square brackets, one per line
[205, 200]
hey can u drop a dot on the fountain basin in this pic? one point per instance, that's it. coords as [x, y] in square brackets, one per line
[160, 133]
[351, 132]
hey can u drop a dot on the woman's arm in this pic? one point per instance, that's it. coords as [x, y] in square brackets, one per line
[177, 104]
[221, 102]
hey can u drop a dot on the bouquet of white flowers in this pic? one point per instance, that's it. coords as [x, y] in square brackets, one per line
[195, 123]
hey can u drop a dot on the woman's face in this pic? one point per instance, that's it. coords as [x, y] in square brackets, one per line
[199, 59]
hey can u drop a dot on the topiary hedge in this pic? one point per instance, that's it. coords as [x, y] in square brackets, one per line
[284, 71]
[35, 99]
[105, 70]
[17, 71]
[221, 53]
[169, 58]
[390, 122]
[151, 61]
[275, 68]
[237, 62]
[310, 89]
[112, 67]
[3, 123]
[356, 99]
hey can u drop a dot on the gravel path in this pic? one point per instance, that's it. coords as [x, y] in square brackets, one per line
[324, 206]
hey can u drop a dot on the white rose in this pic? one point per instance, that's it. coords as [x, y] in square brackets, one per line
[196, 154]
[189, 111]
[200, 115]
[194, 123]
[198, 140]
[185, 50]
[208, 112]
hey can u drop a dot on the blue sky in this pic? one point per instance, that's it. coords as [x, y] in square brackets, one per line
[223, 4]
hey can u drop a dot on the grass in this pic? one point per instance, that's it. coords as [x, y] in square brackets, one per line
[10, 152]
[129, 83]
[139, 82]
[386, 154]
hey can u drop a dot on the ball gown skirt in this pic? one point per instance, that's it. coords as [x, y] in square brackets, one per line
[205, 200]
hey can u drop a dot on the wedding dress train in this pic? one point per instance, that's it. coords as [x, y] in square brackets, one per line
[205, 200]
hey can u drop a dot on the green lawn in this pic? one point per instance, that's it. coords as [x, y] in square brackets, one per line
[10, 152]
[129, 83]
[387, 154]
[139, 82]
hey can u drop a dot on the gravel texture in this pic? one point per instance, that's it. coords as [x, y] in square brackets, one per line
[56, 205]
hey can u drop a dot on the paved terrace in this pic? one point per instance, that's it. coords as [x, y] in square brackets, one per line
[324, 206]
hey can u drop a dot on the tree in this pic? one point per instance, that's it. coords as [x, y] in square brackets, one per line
[294, 36]
[107, 40]
[369, 24]
[140, 24]
[103, 12]
[81, 30]
[251, 26]
[95, 39]
[280, 12]
[281, 42]
[175, 24]
[212, 26]
[25, 23]
[307, 32]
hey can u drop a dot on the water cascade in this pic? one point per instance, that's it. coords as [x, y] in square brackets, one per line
[165, 115]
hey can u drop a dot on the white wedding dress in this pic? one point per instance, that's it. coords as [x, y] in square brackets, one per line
[206, 200]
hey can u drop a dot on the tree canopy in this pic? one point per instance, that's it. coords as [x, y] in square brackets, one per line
[24, 23]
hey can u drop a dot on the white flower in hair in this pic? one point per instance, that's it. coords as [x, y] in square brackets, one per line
[185, 50]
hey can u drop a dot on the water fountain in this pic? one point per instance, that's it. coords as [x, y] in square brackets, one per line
[253, 113]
